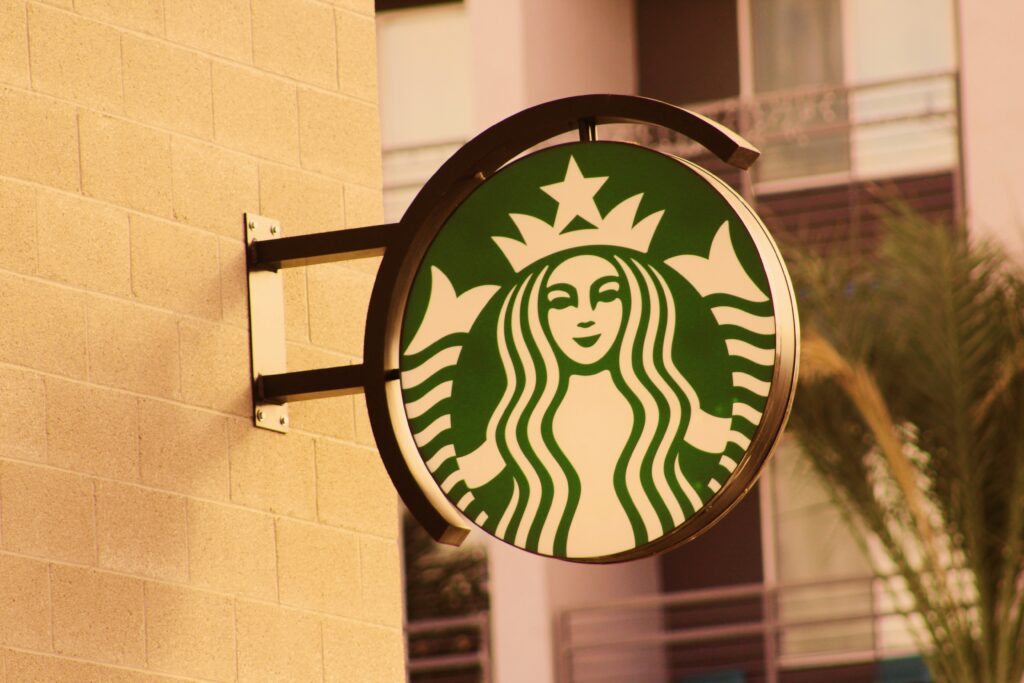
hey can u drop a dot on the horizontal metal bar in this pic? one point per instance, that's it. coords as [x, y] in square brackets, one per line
[321, 247]
[707, 107]
[478, 619]
[836, 657]
[734, 592]
[440, 662]
[692, 635]
[678, 598]
[304, 385]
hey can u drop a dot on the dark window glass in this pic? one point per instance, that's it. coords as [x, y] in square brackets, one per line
[687, 51]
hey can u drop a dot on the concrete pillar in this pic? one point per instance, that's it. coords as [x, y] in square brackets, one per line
[993, 109]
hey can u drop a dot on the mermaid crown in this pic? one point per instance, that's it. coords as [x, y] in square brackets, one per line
[575, 197]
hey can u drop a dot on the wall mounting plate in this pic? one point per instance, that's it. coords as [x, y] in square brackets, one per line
[266, 324]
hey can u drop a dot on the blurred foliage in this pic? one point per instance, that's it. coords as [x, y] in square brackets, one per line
[441, 580]
[911, 410]
[444, 581]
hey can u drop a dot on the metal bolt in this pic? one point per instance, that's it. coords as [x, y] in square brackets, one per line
[259, 416]
[252, 225]
[283, 420]
[273, 229]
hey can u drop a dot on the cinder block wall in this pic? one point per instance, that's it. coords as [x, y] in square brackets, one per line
[147, 531]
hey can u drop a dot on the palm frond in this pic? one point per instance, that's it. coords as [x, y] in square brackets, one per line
[915, 358]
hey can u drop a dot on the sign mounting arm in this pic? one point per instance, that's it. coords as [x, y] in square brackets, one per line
[323, 247]
[267, 254]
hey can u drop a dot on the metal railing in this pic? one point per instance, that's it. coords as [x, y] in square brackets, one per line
[758, 630]
[867, 129]
[811, 137]
[450, 649]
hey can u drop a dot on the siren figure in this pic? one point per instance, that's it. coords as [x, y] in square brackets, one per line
[594, 408]
[596, 425]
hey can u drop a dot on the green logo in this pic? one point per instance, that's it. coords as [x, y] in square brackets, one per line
[587, 349]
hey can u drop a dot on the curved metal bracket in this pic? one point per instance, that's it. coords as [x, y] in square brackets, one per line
[544, 121]
[466, 169]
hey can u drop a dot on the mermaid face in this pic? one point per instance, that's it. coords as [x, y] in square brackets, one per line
[584, 307]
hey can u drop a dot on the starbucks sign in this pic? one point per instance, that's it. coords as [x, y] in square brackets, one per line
[588, 351]
[588, 348]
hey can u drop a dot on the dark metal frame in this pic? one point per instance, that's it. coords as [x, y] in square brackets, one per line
[403, 246]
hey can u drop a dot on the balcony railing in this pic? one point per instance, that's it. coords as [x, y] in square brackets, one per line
[450, 649]
[790, 633]
[829, 134]
[831, 155]
[834, 158]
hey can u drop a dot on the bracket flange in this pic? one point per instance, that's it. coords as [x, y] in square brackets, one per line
[266, 323]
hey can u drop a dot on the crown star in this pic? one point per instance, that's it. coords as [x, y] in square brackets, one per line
[618, 228]
[575, 196]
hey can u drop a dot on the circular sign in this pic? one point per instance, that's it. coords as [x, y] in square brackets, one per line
[597, 352]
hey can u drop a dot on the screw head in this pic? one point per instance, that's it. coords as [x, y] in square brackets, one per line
[283, 420]
[259, 415]
[273, 229]
[252, 225]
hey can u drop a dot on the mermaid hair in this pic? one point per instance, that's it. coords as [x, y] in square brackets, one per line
[651, 488]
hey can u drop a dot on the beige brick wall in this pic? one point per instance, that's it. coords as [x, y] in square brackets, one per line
[147, 531]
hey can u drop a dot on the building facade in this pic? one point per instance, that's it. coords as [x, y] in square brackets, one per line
[149, 532]
[853, 103]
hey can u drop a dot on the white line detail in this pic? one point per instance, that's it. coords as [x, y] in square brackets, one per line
[560, 484]
[439, 361]
[439, 458]
[450, 481]
[675, 412]
[633, 482]
[746, 412]
[758, 324]
[691, 493]
[428, 400]
[742, 379]
[738, 347]
[739, 439]
[431, 431]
